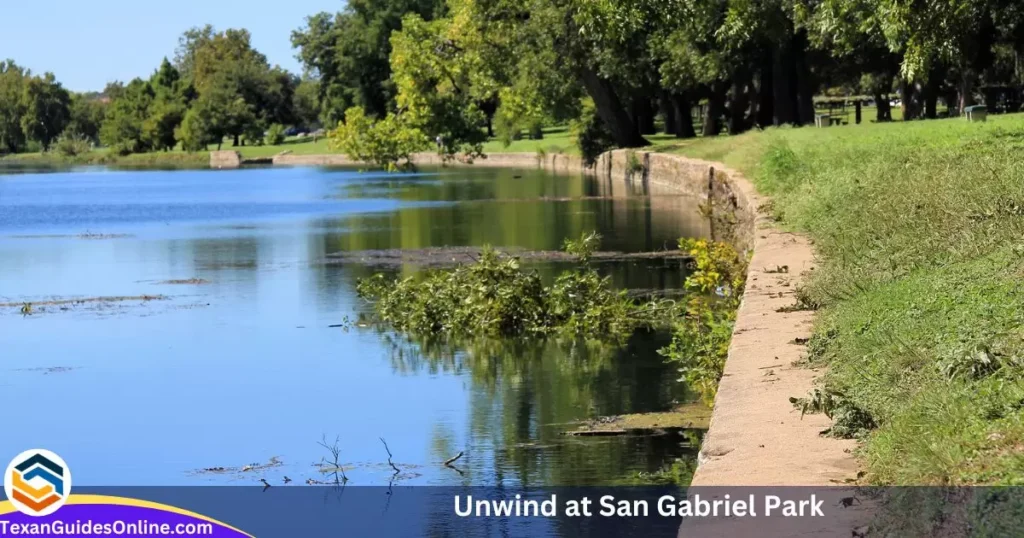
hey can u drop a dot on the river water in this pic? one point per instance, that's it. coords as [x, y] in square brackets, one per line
[243, 368]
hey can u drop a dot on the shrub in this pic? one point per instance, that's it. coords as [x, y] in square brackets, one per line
[592, 135]
[71, 144]
[700, 342]
[496, 297]
[275, 134]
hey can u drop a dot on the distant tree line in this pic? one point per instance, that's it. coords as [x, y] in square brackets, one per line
[217, 87]
[410, 73]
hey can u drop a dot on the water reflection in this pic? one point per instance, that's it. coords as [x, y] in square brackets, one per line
[247, 367]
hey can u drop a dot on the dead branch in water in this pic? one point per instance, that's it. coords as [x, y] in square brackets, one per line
[397, 470]
[336, 453]
[450, 461]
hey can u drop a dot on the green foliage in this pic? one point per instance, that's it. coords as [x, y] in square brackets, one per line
[700, 342]
[496, 297]
[591, 134]
[388, 142]
[122, 130]
[633, 163]
[194, 131]
[86, 116]
[349, 53]
[275, 134]
[71, 144]
[976, 361]
[848, 420]
[46, 109]
[12, 108]
[306, 103]
[158, 128]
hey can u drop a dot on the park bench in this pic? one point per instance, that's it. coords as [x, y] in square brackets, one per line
[975, 112]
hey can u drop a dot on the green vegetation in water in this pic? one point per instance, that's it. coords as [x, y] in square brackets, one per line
[700, 339]
[496, 297]
[918, 227]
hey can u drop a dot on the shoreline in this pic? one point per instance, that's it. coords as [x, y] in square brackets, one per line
[756, 437]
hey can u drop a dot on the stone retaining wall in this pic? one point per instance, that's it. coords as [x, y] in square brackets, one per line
[225, 159]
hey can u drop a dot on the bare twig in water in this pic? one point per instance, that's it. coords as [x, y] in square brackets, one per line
[336, 453]
[450, 461]
[397, 470]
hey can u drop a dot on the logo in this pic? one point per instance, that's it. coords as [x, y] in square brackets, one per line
[37, 482]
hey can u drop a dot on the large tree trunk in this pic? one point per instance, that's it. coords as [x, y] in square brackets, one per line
[715, 108]
[643, 115]
[804, 83]
[235, 143]
[738, 104]
[881, 107]
[610, 108]
[765, 93]
[906, 94]
[965, 90]
[669, 113]
[684, 116]
[931, 91]
[781, 88]
[489, 107]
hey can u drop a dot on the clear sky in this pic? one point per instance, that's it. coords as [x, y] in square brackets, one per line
[87, 43]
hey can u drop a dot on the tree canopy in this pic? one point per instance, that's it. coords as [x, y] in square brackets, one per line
[459, 71]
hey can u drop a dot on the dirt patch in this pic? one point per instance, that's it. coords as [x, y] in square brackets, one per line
[685, 417]
[449, 256]
[186, 281]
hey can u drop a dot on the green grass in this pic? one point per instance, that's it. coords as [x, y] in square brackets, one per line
[920, 231]
[556, 140]
[102, 157]
[298, 146]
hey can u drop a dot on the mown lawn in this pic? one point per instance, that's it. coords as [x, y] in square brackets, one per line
[920, 231]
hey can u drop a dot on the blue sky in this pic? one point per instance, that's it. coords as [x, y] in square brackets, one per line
[87, 43]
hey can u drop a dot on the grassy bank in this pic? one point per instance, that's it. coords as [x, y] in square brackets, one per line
[169, 159]
[920, 230]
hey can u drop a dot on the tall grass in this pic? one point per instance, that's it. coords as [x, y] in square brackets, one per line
[920, 231]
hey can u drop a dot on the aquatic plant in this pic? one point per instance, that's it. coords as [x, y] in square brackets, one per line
[495, 296]
[700, 340]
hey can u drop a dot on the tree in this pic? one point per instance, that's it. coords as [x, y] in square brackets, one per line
[162, 119]
[194, 132]
[348, 53]
[224, 69]
[12, 82]
[305, 104]
[123, 129]
[46, 109]
[87, 114]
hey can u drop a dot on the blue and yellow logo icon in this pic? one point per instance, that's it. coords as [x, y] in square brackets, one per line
[37, 482]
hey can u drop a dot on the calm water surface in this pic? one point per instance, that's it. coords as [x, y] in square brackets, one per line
[245, 367]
